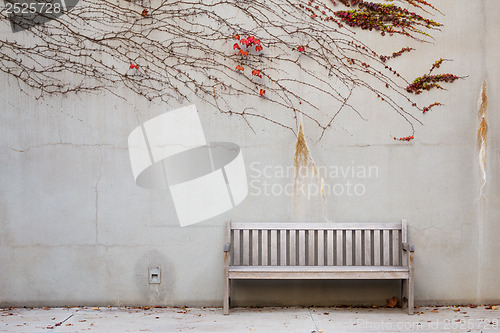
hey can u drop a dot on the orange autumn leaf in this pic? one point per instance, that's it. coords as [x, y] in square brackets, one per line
[392, 302]
[256, 72]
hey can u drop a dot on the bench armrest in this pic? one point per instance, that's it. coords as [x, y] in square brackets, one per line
[227, 247]
[408, 247]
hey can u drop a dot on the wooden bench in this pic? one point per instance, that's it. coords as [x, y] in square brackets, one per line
[319, 251]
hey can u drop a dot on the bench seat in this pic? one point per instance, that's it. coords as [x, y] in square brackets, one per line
[318, 272]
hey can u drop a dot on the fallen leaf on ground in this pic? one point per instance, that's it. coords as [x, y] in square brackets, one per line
[435, 311]
[96, 309]
[392, 302]
[457, 309]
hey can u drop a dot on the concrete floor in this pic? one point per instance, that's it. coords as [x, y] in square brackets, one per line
[266, 320]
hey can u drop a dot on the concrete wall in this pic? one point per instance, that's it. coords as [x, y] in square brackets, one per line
[76, 230]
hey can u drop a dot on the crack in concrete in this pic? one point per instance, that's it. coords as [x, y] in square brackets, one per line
[25, 150]
[313, 321]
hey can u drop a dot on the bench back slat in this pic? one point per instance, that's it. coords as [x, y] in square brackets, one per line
[311, 248]
[246, 247]
[283, 247]
[358, 253]
[340, 247]
[396, 248]
[321, 247]
[265, 247]
[368, 247]
[293, 247]
[329, 248]
[302, 247]
[255, 247]
[404, 239]
[317, 244]
[386, 247]
[348, 248]
[274, 248]
[376, 247]
[236, 247]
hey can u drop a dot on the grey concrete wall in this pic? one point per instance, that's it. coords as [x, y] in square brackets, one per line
[75, 229]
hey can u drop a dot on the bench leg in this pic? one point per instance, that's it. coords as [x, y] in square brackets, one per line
[227, 294]
[411, 284]
[411, 295]
[404, 294]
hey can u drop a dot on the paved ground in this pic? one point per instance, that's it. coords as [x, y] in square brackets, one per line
[266, 320]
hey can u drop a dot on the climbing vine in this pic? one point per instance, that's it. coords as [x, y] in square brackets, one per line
[428, 81]
[268, 51]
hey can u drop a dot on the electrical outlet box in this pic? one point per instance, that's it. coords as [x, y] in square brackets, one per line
[154, 274]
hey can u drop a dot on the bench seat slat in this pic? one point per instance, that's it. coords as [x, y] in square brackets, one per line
[318, 272]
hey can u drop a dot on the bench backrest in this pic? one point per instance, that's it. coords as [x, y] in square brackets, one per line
[317, 244]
